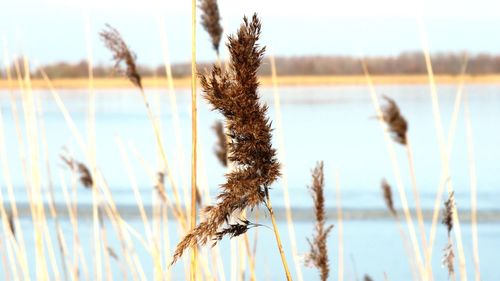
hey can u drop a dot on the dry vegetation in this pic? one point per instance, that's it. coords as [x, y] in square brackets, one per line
[244, 147]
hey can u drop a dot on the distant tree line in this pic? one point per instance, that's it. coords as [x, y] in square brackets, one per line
[405, 63]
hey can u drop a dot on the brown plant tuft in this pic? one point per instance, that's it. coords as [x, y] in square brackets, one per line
[395, 121]
[112, 253]
[12, 227]
[221, 147]
[387, 192]
[121, 53]
[210, 20]
[234, 94]
[367, 278]
[448, 212]
[81, 169]
[318, 254]
[449, 258]
[160, 186]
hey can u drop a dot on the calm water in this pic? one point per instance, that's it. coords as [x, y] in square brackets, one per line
[333, 124]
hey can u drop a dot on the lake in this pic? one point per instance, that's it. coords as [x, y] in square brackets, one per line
[336, 124]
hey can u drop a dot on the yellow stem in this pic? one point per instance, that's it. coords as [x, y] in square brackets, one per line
[278, 239]
[193, 134]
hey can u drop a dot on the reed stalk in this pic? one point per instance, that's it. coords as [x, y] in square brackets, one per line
[122, 53]
[387, 194]
[398, 127]
[442, 147]
[194, 135]
[397, 174]
[340, 227]
[473, 188]
[21, 252]
[284, 175]
[451, 136]
[181, 158]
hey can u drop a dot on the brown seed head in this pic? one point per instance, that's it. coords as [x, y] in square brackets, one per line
[367, 278]
[449, 258]
[12, 227]
[80, 168]
[234, 94]
[318, 254]
[448, 212]
[395, 121]
[387, 192]
[210, 20]
[121, 53]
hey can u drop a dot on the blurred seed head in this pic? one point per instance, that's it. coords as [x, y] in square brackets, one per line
[397, 124]
[210, 20]
[121, 53]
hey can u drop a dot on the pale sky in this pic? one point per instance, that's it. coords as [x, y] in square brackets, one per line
[54, 30]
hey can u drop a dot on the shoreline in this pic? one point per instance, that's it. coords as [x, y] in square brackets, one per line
[122, 83]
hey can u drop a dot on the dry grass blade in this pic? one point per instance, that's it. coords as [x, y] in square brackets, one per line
[318, 255]
[80, 168]
[121, 53]
[210, 20]
[395, 121]
[221, 147]
[234, 94]
[387, 192]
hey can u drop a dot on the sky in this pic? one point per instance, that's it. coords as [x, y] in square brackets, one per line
[67, 30]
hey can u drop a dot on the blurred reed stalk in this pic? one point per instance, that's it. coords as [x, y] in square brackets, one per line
[398, 127]
[181, 158]
[34, 173]
[121, 53]
[318, 253]
[340, 261]
[91, 151]
[389, 202]
[442, 147]
[451, 136]
[118, 223]
[449, 254]
[284, 176]
[19, 245]
[51, 202]
[473, 188]
[194, 132]
[397, 174]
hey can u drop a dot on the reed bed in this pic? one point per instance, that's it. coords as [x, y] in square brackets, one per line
[244, 147]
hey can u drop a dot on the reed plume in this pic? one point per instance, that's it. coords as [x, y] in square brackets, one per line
[210, 20]
[448, 212]
[221, 146]
[121, 53]
[80, 168]
[387, 193]
[449, 258]
[234, 94]
[449, 254]
[318, 254]
[395, 121]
